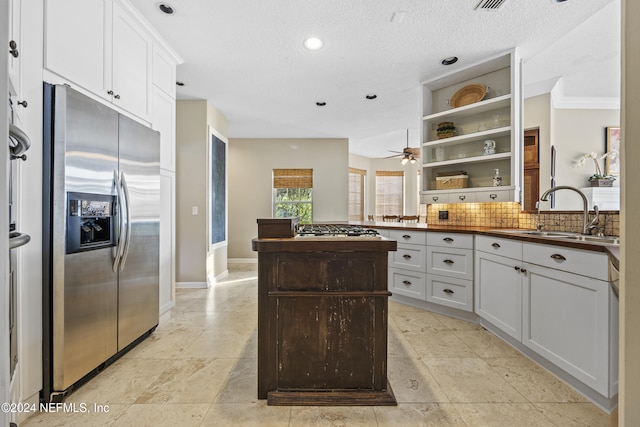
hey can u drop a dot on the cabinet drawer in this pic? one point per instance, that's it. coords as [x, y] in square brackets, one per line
[411, 257]
[494, 196]
[449, 291]
[408, 236]
[450, 262]
[407, 283]
[454, 240]
[462, 197]
[585, 263]
[503, 247]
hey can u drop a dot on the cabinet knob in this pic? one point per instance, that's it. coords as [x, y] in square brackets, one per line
[523, 270]
[110, 92]
[495, 245]
[434, 198]
[493, 196]
[558, 257]
[13, 46]
[448, 239]
[406, 282]
[23, 103]
[448, 261]
[405, 256]
[462, 197]
[516, 268]
[116, 96]
[448, 291]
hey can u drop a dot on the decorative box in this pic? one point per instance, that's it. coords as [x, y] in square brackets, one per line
[277, 227]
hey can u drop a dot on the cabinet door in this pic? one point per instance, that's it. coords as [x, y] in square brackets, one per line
[15, 47]
[164, 118]
[498, 295]
[566, 320]
[131, 65]
[408, 283]
[75, 48]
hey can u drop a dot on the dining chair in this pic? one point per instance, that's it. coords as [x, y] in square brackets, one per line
[410, 218]
[391, 218]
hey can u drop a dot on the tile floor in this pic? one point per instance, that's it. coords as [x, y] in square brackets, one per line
[199, 369]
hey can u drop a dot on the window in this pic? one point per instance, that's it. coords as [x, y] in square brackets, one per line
[389, 193]
[356, 194]
[292, 194]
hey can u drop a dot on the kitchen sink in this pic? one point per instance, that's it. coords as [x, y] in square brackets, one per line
[536, 233]
[612, 240]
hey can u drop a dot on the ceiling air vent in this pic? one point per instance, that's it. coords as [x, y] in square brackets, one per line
[490, 4]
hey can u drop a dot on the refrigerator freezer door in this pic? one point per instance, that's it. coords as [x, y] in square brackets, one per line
[138, 296]
[81, 145]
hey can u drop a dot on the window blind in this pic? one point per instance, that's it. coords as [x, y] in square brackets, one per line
[293, 178]
[356, 194]
[389, 193]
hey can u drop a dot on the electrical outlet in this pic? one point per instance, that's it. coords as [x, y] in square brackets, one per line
[443, 214]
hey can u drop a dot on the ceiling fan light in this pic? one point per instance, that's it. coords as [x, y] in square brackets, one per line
[404, 160]
[412, 160]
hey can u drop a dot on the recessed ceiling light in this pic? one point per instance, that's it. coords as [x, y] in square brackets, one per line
[166, 8]
[371, 96]
[313, 43]
[321, 103]
[179, 83]
[449, 60]
[558, 1]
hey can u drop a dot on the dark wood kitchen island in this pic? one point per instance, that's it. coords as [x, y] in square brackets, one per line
[322, 320]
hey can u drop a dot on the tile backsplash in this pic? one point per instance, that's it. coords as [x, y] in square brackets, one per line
[509, 215]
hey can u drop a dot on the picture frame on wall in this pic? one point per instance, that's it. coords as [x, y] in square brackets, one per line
[612, 143]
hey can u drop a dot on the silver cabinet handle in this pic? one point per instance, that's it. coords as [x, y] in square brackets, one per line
[558, 257]
[405, 256]
[495, 245]
[448, 239]
[493, 196]
[462, 197]
[448, 261]
[406, 282]
[448, 291]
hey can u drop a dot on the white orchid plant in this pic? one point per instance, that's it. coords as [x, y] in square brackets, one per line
[594, 156]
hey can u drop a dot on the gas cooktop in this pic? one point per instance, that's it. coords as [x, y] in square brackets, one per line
[335, 230]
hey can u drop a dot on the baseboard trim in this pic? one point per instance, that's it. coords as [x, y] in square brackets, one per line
[168, 306]
[191, 285]
[242, 260]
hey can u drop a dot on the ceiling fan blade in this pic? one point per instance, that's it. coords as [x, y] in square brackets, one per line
[395, 155]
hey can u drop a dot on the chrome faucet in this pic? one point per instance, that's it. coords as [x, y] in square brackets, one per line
[587, 223]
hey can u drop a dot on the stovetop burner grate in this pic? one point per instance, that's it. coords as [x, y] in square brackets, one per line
[335, 230]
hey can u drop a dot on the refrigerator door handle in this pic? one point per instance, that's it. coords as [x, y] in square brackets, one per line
[127, 241]
[118, 248]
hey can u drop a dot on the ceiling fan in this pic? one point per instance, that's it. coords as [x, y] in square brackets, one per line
[409, 155]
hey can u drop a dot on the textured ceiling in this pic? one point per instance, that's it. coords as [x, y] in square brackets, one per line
[246, 57]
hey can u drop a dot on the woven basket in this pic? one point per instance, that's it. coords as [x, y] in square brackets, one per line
[468, 95]
[451, 182]
[446, 135]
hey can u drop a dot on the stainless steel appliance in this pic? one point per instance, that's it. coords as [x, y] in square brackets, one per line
[100, 240]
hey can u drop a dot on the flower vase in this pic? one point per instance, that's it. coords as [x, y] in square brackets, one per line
[601, 182]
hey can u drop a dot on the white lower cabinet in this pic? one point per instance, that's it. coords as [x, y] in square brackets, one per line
[498, 293]
[570, 320]
[407, 283]
[449, 291]
[533, 293]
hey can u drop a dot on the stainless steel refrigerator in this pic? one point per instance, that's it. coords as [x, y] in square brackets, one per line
[101, 190]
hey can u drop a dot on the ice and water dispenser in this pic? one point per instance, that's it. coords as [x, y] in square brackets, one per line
[90, 222]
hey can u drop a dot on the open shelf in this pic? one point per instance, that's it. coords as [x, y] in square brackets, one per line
[476, 136]
[471, 109]
[464, 160]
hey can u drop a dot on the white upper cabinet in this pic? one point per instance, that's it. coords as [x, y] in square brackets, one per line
[131, 64]
[488, 133]
[100, 47]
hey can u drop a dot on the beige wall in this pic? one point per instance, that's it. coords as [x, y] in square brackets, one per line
[196, 261]
[630, 206]
[250, 166]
